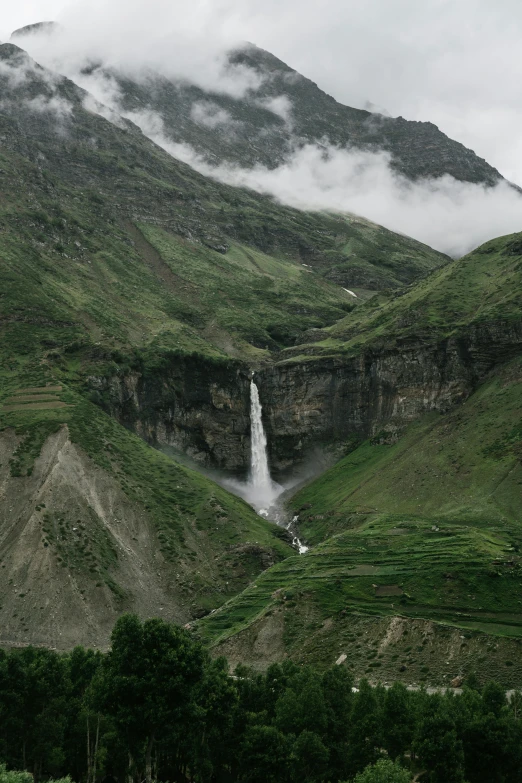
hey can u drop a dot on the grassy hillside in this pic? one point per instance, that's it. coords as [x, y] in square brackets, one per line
[69, 259]
[481, 289]
[94, 522]
[427, 528]
[464, 466]
[72, 156]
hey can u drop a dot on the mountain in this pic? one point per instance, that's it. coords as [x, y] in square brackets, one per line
[286, 112]
[281, 112]
[416, 534]
[122, 267]
[137, 296]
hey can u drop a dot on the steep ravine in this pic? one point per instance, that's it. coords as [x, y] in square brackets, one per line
[202, 408]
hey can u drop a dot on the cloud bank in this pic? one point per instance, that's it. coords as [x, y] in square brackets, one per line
[456, 64]
[189, 44]
[451, 216]
[209, 114]
[19, 72]
[394, 58]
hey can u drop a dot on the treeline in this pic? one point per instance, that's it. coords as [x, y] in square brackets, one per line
[156, 707]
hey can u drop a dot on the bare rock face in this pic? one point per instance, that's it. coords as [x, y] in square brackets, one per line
[378, 392]
[74, 552]
[192, 405]
[204, 409]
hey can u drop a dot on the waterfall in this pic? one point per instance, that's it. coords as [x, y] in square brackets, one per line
[262, 490]
[259, 470]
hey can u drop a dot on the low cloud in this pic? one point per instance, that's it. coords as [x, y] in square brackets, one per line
[59, 107]
[20, 69]
[133, 44]
[280, 105]
[94, 106]
[209, 114]
[444, 213]
[151, 123]
[449, 215]
[102, 86]
[456, 64]
[19, 72]
[14, 74]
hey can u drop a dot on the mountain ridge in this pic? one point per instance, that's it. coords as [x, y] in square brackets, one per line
[137, 297]
[258, 130]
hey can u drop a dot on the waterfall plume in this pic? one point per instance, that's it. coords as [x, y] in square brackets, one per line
[259, 470]
[262, 490]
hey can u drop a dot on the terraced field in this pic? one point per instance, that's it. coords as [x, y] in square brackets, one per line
[36, 398]
[396, 565]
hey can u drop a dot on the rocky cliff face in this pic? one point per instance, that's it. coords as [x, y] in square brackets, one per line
[203, 410]
[378, 392]
[192, 405]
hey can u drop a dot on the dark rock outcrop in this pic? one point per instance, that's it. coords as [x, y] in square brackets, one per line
[377, 392]
[192, 405]
[203, 409]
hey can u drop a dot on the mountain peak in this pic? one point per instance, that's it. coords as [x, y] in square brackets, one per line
[9, 50]
[35, 29]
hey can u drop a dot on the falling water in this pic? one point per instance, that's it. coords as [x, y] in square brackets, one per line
[263, 491]
[259, 471]
[260, 490]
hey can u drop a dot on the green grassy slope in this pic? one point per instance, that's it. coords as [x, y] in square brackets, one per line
[483, 288]
[464, 466]
[213, 540]
[67, 259]
[427, 528]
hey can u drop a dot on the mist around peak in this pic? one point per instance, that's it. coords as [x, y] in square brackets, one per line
[442, 211]
[450, 216]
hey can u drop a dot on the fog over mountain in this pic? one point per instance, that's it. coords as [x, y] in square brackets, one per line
[457, 65]
[97, 47]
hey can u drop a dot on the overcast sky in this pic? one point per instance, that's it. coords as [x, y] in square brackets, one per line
[457, 64]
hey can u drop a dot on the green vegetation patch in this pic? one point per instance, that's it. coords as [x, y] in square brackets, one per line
[33, 435]
[476, 291]
[464, 466]
[426, 528]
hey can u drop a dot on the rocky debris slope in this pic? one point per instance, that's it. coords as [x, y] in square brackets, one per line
[75, 552]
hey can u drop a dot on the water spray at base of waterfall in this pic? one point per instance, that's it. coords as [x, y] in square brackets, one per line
[260, 491]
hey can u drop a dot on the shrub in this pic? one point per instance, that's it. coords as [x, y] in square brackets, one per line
[384, 771]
